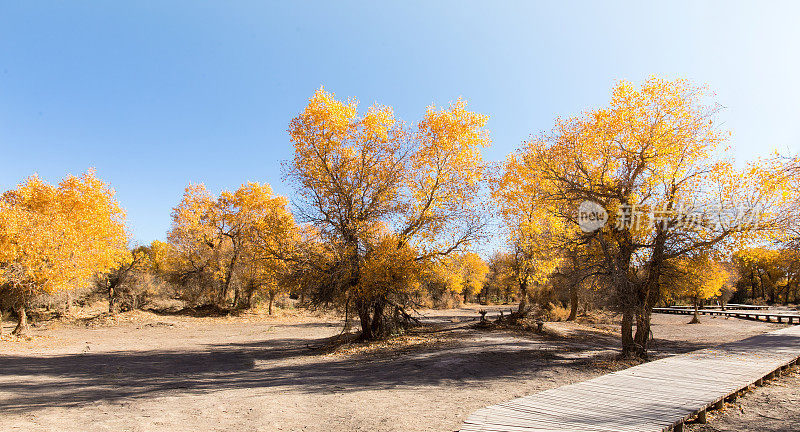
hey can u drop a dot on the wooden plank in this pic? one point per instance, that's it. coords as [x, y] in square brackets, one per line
[779, 317]
[649, 397]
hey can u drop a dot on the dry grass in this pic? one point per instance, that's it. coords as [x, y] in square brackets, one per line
[349, 346]
[555, 313]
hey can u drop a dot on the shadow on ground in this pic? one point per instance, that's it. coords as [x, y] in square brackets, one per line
[34, 382]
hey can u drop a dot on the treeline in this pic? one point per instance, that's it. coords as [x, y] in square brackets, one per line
[766, 276]
[623, 207]
[232, 251]
[243, 248]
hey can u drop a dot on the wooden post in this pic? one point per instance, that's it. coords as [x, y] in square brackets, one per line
[701, 417]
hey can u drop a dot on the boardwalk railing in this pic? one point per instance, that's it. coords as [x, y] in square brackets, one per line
[746, 314]
[727, 306]
[657, 396]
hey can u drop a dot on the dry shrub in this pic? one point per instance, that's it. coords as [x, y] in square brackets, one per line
[598, 316]
[552, 312]
[448, 300]
[146, 291]
[432, 298]
[422, 299]
[283, 301]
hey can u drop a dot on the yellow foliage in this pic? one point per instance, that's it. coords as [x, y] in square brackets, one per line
[698, 278]
[473, 273]
[235, 238]
[357, 171]
[389, 269]
[652, 158]
[53, 238]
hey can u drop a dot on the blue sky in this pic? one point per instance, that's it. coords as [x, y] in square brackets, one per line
[155, 95]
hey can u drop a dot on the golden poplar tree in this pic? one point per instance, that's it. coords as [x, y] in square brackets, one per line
[356, 172]
[229, 243]
[653, 159]
[56, 237]
[694, 278]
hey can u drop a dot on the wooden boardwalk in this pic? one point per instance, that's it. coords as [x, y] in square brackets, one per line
[656, 396]
[730, 306]
[757, 315]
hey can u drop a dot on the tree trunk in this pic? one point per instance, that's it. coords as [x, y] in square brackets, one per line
[22, 324]
[573, 303]
[236, 294]
[223, 295]
[628, 345]
[378, 324]
[271, 301]
[69, 303]
[365, 319]
[250, 294]
[696, 317]
[1, 321]
[786, 295]
[111, 300]
[523, 299]
[642, 336]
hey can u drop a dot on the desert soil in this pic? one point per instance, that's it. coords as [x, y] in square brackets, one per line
[146, 372]
[771, 408]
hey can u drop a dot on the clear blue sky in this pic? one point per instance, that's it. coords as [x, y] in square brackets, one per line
[158, 94]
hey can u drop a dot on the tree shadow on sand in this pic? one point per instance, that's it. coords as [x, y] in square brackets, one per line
[29, 382]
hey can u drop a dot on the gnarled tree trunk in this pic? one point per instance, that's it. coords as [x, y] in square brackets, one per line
[642, 336]
[236, 296]
[524, 306]
[696, 317]
[22, 323]
[271, 301]
[626, 327]
[378, 324]
[573, 303]
[112, 304]
[365, 318]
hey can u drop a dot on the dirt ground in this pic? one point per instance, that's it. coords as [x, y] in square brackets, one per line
[772, 408]
[147, 372]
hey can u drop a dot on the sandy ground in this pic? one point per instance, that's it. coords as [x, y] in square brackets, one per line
[772, 408]
[145, 372]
